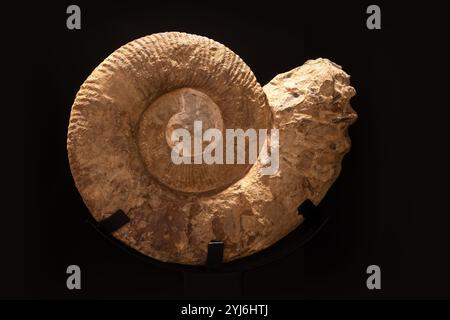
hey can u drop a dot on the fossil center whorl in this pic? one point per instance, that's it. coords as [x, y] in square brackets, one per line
[195, 106]
[158, 135]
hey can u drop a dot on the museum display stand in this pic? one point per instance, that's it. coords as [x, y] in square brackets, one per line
[224, 280]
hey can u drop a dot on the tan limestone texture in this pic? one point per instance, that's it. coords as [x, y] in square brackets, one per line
[119, 151]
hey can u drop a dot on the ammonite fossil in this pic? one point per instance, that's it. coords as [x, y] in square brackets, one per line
[120, 146]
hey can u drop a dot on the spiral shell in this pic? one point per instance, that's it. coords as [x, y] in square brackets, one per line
[119, 149]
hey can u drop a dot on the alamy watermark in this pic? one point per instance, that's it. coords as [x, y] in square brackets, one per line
[226, 149]
[73, 21]
[374, 279]
[373, 22]
[74, 279]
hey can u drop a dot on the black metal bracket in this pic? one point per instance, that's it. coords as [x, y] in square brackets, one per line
[112, 223]
[214, 258]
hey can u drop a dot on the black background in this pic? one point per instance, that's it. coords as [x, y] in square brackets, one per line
[379, 206]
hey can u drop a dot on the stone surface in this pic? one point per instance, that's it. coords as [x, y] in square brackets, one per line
[120, 156]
